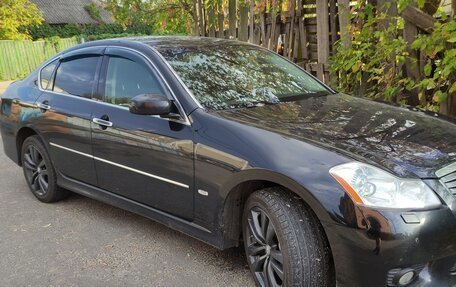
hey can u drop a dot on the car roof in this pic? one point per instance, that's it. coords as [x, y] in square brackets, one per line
[163, 42]
[183, 41]
[160, 43]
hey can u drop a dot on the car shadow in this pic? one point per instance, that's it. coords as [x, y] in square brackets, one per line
[232, 260]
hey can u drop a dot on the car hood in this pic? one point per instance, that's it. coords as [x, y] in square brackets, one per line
[406, 141]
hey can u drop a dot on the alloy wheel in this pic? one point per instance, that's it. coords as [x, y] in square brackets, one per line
[36, 171]
[263, 249]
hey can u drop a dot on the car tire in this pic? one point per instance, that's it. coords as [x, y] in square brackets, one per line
[39, 172]
[284, 242]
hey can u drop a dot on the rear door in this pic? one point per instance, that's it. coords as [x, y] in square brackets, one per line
[66, 104]
[147, 159]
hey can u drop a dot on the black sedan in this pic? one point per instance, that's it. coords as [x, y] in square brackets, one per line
[231, 143]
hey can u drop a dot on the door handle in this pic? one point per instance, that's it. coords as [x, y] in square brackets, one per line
[102, 122]
[44, 106]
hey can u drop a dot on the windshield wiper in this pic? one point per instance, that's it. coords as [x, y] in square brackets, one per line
[297, 97]
[261, 103]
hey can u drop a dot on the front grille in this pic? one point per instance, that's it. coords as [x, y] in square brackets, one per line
[447, 176]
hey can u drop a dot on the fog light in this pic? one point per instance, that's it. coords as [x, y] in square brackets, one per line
[453, 270]
[401, 277]
[406, 278]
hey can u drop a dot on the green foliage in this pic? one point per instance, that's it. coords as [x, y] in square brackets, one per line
[440, 70]
[93, 11]
[15, 14]
[374, 64]
[164, 16]
[371, 65]
[109, 36]
[66, 31]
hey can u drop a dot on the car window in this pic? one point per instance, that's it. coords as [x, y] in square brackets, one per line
[126, 79]
[46, 75]
[225, 76]
[77, 77]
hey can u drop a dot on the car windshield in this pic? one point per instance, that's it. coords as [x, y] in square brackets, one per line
[232, 76]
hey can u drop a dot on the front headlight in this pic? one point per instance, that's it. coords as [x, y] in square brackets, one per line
[375, 187]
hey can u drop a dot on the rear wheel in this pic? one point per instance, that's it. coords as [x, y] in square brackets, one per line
[284, 242]
[39, 172]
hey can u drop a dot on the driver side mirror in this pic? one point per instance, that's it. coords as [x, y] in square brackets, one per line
[151, 104]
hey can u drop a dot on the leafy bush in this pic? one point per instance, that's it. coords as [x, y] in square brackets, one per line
[440, 69]
[371, 64]
[71, 30]
[109, 36]
[374, 64]
[93, 11]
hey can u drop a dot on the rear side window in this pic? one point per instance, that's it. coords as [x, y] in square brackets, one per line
[126, 79]
[77, 77]
[46, 75]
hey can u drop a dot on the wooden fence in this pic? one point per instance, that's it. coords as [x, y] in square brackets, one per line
[305, 31]
[302, 30]
[19, 58]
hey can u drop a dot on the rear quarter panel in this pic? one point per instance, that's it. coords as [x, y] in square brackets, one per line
[17, 108]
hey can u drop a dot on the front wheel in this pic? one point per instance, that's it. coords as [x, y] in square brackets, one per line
[39, 171]
[284, 242]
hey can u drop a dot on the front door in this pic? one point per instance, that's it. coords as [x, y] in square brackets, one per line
[147, 159]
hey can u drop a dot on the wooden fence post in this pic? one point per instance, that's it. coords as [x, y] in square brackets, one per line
[195, 19]
[202, 28]
[333, 21]
[389, 7]
[221, 26]
[302, 32]
[232, 18]
[453, 8]
[291, 38]
[264, 41]
[322, 35]
[211, 22]
[252, 22]
[344, 20]
[411, 63]
[243, 23]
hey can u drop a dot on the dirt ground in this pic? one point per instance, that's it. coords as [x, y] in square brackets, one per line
[82, 242]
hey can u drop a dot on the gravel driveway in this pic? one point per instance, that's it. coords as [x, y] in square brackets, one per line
[82, 242]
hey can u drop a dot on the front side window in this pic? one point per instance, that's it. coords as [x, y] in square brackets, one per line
[126, 79]
[46, 75]
[77, 77]
[224, 76]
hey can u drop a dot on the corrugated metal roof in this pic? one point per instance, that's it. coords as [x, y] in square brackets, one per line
[69, 11]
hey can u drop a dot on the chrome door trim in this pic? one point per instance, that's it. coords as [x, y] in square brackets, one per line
[122, 166]
[71, 150]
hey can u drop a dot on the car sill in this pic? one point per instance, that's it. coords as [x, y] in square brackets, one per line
[126, 203]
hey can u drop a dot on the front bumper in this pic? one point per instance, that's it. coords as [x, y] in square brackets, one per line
[377, 244]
